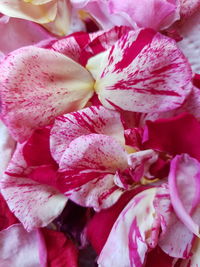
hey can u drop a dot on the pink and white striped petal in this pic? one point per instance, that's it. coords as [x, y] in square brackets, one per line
[184, 186]
[34, 204]
[19, 247]
[94, 119]
[37, 85]
[128, 241]
[100, 193]
[24, 10]
[144, 72]
[94, 152]
[194, 259]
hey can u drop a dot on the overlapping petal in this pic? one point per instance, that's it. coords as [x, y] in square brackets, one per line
[127, 243]
[95, 119]
[34, 204]
[144, 72]
[37, 85]
[184, 186]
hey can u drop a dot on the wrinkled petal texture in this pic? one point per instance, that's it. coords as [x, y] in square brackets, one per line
[156, 14]
[144, 72]
[95, 119]
[184, 186]
[127, 243]
[34, 204]
[37, 85]
[37, 13]
[18, 247]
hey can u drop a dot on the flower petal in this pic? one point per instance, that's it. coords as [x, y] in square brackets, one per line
[184, 186]
[144, 73]
[16, 33]
[94, 152]
[190, 44]
[42, 90]
[37, 13]
[95, 119]
[34, 204]
[127, 242]
[156, 14]
[171, 135]
[7, 147]
[18, 247]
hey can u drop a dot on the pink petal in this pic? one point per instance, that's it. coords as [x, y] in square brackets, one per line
[143, 73]
[18, 247]
[190, 43]
[194, 260]
[188, 7]
[95, 119]
[184, 186]
[156, 14]
[94, 152]
[99, 193]
[17, 33]
[42, 90]
[127, 243]
[34, 204]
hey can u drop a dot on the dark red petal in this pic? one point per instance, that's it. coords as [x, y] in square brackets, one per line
[180, 134]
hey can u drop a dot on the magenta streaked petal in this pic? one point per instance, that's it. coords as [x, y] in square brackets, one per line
[34, 204]
[144, 72]
[94, 152]
[127, 243]
[34, 91]
[100, 193]
[95, 119]
[184, 186]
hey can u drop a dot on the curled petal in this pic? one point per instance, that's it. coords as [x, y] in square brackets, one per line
[127, 243]
[144, 72]
[37, 13]
[95, 119]
[34, 91]
[156, 14]
[184, 186]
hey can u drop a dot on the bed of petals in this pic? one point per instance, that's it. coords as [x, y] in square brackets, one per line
[99, 133]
